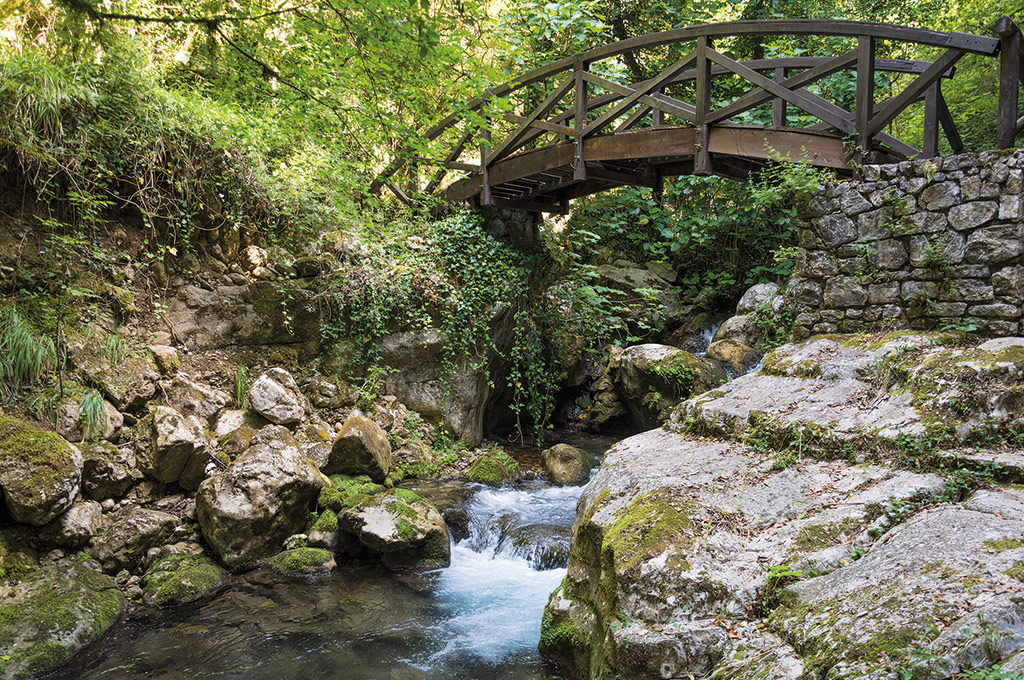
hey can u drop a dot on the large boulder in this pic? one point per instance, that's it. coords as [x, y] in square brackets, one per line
[275, 395]
[739, 358]
[493, 466]
[124, 542]
[76, 527]
[128, 385]
[755, 296]
[69, 421]
[40, 472]
[51, 614]
[742, 328]
[401, 528]
[177, 448]
[361, 448]
[303, 561]
[191, 398]
[107, 471]
[263, 497]
[565, 464]
[652, 380]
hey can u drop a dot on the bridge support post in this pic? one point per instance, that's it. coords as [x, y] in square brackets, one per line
[930, 142]
[485, 173]
[865, 93]
[580, 88]
[1010, 57]
[779, 104]
[701, 155]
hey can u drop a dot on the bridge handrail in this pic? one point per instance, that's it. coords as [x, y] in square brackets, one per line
[955, 43]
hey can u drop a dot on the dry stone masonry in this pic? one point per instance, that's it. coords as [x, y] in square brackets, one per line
[925, 244]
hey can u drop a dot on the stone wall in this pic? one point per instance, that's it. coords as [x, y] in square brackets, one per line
[920, 244]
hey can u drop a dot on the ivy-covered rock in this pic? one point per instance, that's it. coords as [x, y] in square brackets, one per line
[51, 614]
[303, 562]
[361, 448]
[494, 467]
[652, 379]
[263, 497]
[180, 578]
[400, 528]
[40, 472]
[275, 395]
[565, 464]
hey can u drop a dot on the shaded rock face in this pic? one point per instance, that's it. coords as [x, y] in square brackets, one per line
[40, 472]
[191, 398]
[177, 450]
[400, 528]
[107, 471]
[261, 313]
[739, 358]
[76, 527]
[263, 497]
[276, 396]
[653, 379]
[53, 613]
[566, 465]
[361, 448]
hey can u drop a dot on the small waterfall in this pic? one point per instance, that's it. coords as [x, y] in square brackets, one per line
[707, 334]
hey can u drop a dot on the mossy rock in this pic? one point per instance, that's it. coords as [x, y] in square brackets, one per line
[493, 467]
[181, 578]
[401, 528]
[40, 472]
[302, 562]
[53, 613]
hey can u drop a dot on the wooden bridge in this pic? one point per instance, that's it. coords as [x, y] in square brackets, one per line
[581, 130]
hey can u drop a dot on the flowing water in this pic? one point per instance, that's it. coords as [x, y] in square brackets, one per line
[477, 619]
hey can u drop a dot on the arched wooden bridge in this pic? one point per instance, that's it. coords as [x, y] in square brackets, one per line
[581, 130]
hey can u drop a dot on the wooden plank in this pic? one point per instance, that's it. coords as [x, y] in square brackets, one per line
[912, 91]
[624, 178]
[779, 105]
[638, 91]
[485, 173]
[701, 153]
[930, 140]
[759, 96]
[765, 144]
[545, 126]
[529, 206]
[1009, 82]
[949, 126]
[542, 110]
[864, 107]
[580, 169]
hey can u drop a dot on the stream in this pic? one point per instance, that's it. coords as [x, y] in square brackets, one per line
[476, 619]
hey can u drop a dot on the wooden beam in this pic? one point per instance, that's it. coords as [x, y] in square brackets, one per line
[949, 125]
[485, 173]
[542, 110]
[759, 96]
[633, 179]
[779, 105]
[930, 140]
[450, 158]
[660, 102]
[702, 156]
[545, 126]
[865, 103]
[1010, 56]
[639, 91]
[911, 92]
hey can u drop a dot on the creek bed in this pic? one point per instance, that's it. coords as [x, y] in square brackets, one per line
[477, 619]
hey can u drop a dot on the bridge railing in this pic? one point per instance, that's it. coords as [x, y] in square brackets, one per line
[572, 110]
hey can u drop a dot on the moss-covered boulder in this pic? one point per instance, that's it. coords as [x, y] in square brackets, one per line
[739, 358]
[494, 467]
[361, 448]
[303, 562]
[566, 465]
[180, 578]
[51, 614]
[40, 472]
[399, 527]
[263, 497]
[653, 379]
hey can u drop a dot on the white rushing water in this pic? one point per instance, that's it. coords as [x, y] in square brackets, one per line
[492, 597]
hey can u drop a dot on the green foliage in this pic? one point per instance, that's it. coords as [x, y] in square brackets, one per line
[92, 415]
[774, 325]
[24, 357]
[779, 576]
[241, 386]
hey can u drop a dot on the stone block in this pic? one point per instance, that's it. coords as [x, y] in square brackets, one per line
[997, 310]
[941, 249]
[1009, 282]
[889, 254]
[971, 215]
[940, 196]
[853, 203]
[1010, 207]
[995, 244]
[836, 229]
[845, 292]
[882, 293]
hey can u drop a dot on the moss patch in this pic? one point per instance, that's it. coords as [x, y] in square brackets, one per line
[302, 561]
[327, 522]
[493, 467]
[177, 579]
[647, 526]
[1004, 544]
